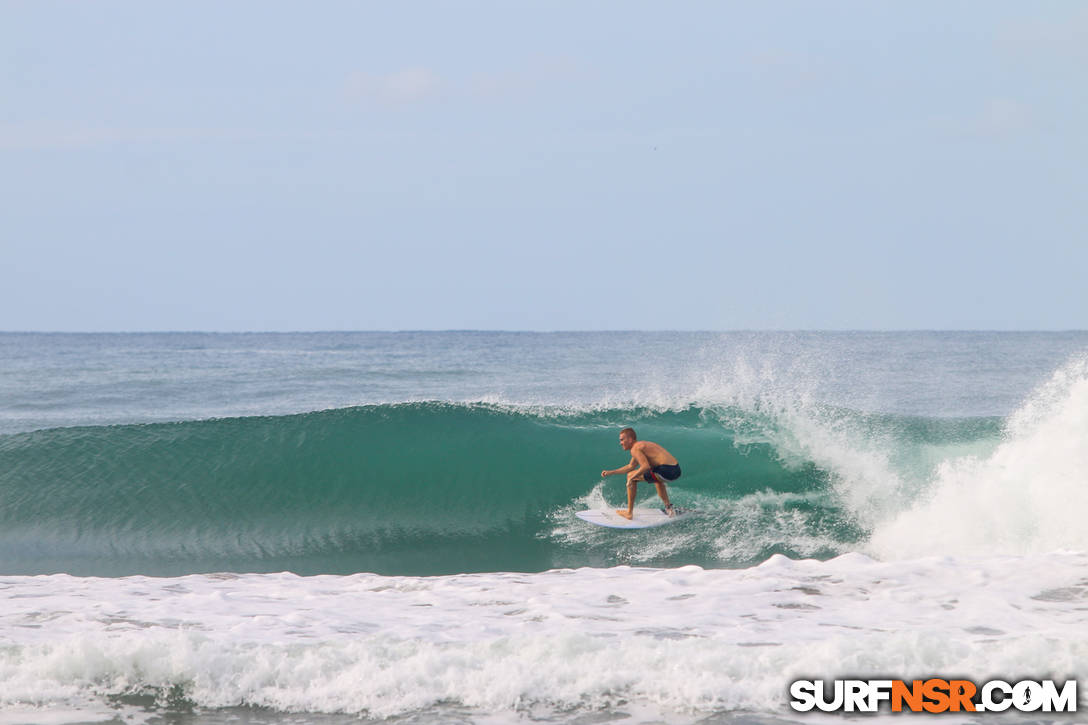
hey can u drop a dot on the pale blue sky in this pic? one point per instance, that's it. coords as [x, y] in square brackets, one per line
[531, 165]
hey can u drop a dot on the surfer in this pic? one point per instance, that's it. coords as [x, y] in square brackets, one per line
[649, 462]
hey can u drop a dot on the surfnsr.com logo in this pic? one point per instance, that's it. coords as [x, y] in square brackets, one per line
[933, 695]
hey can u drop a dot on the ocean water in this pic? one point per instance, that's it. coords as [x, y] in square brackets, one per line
[378, 527]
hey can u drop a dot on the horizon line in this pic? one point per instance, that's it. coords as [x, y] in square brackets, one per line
[536, 331]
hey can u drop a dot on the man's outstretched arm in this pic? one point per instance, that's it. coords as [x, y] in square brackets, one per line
[626, 469]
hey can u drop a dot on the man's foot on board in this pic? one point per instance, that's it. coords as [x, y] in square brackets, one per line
[624, 514]
[669, 511]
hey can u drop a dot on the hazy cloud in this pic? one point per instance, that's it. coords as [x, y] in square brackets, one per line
[1005, 115]
[416, 85]
[44, 135]
[410, 85]
[537, 74]
[993, 117]
[1066, 39]
[794, 70]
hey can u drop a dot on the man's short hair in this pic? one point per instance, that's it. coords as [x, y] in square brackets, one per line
[630, 432]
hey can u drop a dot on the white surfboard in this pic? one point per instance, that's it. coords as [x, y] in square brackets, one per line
[643, 518]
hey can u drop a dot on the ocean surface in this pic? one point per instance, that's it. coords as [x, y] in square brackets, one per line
[379, 527]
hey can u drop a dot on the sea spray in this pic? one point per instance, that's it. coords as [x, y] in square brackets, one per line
[1029, 495]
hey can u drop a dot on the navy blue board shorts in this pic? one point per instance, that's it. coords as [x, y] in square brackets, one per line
[667, 472]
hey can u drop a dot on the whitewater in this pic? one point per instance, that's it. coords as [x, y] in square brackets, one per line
[328, 527]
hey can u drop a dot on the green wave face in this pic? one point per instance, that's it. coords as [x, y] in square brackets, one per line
[436, 488]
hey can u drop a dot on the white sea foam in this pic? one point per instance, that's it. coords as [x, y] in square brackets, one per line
[678, 643]
[1024, 494]
[1028, 496]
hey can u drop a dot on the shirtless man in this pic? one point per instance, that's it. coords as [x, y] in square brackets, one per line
[649, 462]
